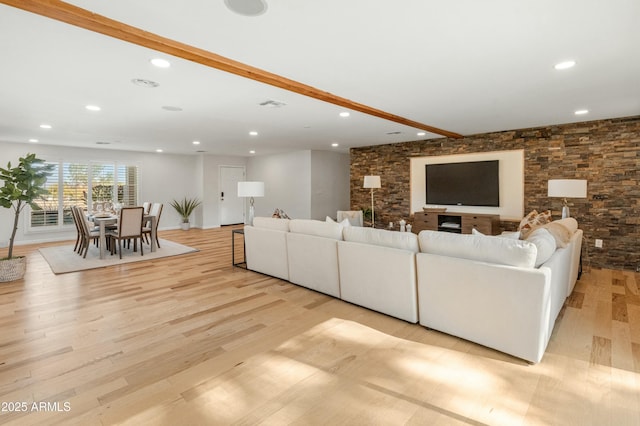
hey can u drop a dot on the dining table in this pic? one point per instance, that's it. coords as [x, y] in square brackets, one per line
[104, 221]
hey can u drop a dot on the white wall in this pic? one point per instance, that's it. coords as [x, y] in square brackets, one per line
[286, 180]
[305, 184]
[329, 183]
[511, 169]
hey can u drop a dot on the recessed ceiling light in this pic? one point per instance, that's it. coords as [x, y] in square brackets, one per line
[33, 140]
[344, 114]
[581, 112]
[421, 133]
[45, 126]
[564, 65]
[252, 152]
[93, 107]
[160, 63]
[334, 145]
[144, 83]
[253, 133]
[158, 150]
[247, 7]
[196, 142]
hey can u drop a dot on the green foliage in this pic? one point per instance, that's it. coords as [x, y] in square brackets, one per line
[185, 207]
[23, 185]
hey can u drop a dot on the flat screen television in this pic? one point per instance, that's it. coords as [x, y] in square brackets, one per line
[475, 183]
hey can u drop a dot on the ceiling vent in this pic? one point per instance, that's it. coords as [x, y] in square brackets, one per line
[144, 83]
[393, 133]
[247, 7]
[272, 104]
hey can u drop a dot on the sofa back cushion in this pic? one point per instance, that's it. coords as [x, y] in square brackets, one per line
[271, 223]
[317, 228]
[382, 237]
[503, 251]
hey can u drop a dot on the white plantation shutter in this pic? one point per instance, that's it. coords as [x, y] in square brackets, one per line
[82, 184]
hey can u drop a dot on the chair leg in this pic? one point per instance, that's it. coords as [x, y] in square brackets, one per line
[120, 247]
[141, 253]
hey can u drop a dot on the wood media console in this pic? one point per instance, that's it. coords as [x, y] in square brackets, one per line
[461, 223]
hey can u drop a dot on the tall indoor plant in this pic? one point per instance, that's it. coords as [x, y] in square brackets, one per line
[184, 208]
[23, 185]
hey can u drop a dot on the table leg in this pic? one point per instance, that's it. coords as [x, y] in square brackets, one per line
[103, 239]
[153, 233]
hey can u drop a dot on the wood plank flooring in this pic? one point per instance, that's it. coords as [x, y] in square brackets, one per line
[190, 340]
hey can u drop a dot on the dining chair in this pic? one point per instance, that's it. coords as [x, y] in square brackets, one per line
[76, 222]
[155, 210]
[146, 205]
[89, 232]
[129, 227]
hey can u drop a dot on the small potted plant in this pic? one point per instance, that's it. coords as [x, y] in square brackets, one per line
[23, 185]
[184, 208]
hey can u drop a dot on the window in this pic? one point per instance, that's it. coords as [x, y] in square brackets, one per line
[83, 184]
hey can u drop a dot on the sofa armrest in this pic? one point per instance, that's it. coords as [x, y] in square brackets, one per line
[267, 251]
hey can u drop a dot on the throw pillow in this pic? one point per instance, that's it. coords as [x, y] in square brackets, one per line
[545, 244]
[533, 220]
[560, 231]
[345, 222]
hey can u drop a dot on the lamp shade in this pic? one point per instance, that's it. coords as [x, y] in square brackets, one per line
[372, 182]
[567, 188]
[250, 189]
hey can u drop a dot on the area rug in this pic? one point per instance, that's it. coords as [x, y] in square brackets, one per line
[63, 259]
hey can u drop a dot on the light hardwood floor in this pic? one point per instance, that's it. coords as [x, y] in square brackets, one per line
[192, 340]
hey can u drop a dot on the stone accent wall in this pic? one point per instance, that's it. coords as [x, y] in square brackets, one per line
[606, 153]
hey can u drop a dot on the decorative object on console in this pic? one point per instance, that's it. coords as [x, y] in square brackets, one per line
[251, 190]
[280, 214]
[567, 188]
[372, 182]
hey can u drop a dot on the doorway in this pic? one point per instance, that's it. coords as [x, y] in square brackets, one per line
[231, 206]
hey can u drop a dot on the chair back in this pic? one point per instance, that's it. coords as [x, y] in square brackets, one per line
[76, 222]
[354, 216]
[156, 210]
[146, 205]
[130, 222]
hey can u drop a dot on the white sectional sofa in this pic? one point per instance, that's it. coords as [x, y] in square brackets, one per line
[494, 291]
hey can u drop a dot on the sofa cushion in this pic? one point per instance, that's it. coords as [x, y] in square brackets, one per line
[317, 228]
[503, 251]
[271, 223]
[382, 237]
[562, 230]
[545, 244]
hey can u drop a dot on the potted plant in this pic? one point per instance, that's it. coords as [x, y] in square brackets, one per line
[23, 185]
[184, 209]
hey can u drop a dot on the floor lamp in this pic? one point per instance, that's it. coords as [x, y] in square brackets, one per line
[567, 188]
[372, 182]
[251, 189]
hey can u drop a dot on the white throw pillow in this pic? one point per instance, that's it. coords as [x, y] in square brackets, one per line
[345, 222]
[506, 234]
[544, 242]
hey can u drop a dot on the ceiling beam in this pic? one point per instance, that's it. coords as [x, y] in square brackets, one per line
[73, 15]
